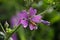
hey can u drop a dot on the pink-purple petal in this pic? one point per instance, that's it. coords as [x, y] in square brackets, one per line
[36, 18]
[32, 27]
[22, 15]
[14, 36]
[32, 11]
[14, 21]
[24, 23]
[45, 22]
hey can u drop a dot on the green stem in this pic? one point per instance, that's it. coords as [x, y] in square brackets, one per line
[7, 38]
[21, 34]
[2, 27]
[32, 34]
[49, 6]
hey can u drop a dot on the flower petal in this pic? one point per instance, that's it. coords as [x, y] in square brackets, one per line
[36, 18]
[14, 21]
[24, 23]
[32, 11]
[14, 36]
[32, 27]
[45, 22]
[22, 15]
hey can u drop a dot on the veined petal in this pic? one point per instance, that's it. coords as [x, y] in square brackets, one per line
[32, 27]
[36, 18]
[22, 15]
[32, 11]
[24, 23]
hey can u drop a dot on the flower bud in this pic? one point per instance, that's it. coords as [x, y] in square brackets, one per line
[8, 30]
[6, 24]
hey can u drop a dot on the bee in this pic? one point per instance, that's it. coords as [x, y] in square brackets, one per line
[33, 23]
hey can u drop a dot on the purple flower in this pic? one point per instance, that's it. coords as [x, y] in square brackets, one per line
[28, 18]
[14, 36]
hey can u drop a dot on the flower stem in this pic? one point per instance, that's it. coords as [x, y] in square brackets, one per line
[21, 34]
[49, 7]
[32, 35]
[7, 38]
[2, 27]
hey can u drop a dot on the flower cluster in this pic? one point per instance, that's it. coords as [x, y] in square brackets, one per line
[28, 19]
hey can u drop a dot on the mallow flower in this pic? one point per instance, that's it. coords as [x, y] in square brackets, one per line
[28, 19]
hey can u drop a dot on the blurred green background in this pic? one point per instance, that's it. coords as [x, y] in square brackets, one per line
[8, 8]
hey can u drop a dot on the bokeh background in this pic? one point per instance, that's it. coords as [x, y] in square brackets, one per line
[8, 8]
